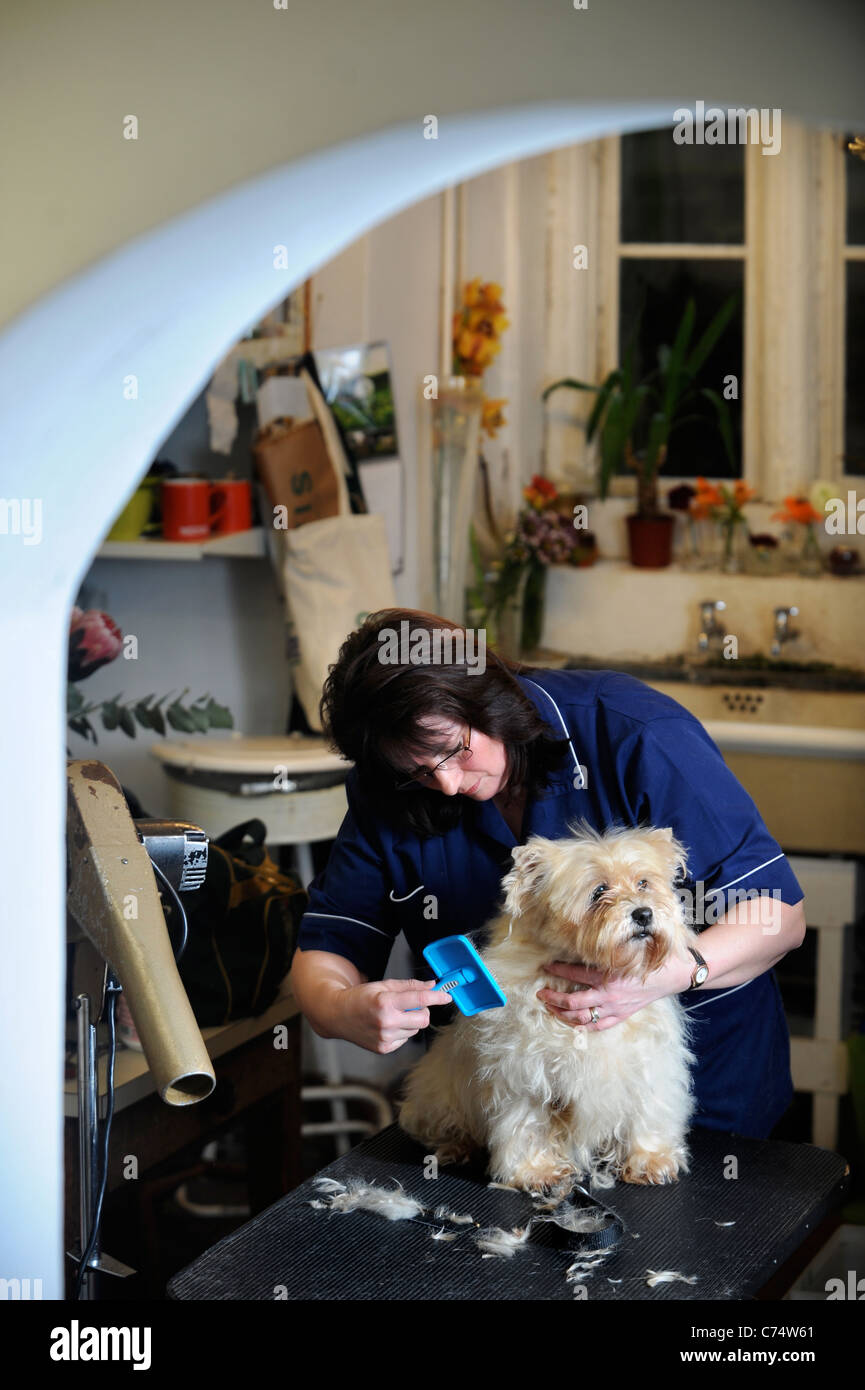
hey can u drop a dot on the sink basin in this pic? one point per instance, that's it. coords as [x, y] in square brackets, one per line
[802, 723]
[799, 753]
[795, 743]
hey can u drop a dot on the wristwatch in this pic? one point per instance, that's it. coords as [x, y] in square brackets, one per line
[701, 974]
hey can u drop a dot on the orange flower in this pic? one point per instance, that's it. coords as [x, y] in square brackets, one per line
[799, 510]
[540, 492]
[742, 493]
[708, 498]
[492, 418]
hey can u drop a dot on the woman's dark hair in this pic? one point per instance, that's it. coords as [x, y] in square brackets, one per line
[371, 710]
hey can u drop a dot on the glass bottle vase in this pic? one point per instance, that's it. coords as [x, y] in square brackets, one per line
[734, 542]
[456, 419]
[810, 563]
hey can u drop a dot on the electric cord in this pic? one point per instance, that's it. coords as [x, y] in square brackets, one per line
[113, 987]
[176, 903]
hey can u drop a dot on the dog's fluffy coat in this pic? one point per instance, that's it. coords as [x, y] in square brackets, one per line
[552, 1102]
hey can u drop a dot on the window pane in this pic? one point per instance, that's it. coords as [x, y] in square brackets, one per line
[854, 392]
[676, 192]
[663, 289]
[855, 200]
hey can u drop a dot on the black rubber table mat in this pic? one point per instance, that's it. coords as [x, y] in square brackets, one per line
[296, 1251]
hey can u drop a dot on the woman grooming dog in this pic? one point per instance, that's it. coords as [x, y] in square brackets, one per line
[455, 766]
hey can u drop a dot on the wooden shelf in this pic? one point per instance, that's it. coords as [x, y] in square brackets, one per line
[242, 544]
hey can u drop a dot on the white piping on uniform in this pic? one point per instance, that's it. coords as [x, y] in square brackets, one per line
[748, 874]
[577, 767]
[718, 996]
[407, 896]
[338, 917]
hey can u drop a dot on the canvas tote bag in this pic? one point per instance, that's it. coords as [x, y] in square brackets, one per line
[334, 572]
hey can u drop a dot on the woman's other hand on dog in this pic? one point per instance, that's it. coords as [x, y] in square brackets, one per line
[616, 999]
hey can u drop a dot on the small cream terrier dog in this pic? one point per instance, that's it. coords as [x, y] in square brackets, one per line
[555, 1103]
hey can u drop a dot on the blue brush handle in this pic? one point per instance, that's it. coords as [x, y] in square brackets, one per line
[455, 979]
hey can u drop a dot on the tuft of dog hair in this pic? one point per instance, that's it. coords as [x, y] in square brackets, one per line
[554, 1103]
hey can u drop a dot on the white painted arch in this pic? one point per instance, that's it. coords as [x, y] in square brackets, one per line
[164, 309]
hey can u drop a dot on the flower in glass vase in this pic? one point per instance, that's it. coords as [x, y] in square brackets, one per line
[799, 511]
[724, 505]
[543, 535]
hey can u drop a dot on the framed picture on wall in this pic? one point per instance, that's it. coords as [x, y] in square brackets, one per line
[357, 383]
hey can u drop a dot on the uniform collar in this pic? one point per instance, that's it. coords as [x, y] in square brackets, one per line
[539, 817]
[565, 777]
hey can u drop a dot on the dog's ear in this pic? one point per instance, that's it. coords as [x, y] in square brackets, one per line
[529, 869]
[675, 854]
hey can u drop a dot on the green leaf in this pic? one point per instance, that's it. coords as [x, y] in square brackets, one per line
[83, 727]
[631, 411]
[712, 334]
[723, 417]
[74, 698]
[613, 440]
[199, 719]
[127, 723]
[143, 715]
[608, 386]
[658, 436]
[220, 716]
[686, 420]
[110, 714]
[158, 720]
[570, 382]
[677, 357]
[179, 719]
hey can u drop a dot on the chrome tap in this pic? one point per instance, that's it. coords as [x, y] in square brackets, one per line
[784, 631]
[712, 633]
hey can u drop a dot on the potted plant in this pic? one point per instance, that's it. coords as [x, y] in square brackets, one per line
[652, 408]
[545, 533]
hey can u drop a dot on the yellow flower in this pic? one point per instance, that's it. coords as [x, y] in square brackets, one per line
[477, 327]
[492, 418]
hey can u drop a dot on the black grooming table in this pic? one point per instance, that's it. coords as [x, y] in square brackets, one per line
[296, 1251]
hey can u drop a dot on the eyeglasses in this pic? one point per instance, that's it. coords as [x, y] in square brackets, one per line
[425, 776]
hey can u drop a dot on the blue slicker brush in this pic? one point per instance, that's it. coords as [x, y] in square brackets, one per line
[461, 973]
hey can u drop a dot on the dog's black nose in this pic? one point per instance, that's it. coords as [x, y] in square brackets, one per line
[642, 916]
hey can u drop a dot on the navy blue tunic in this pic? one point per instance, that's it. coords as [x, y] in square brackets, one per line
[636, 757]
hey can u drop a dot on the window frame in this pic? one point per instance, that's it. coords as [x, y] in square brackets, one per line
[793, 363]
[703, 251]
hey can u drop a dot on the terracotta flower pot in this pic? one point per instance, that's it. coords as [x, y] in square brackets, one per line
[650, 540]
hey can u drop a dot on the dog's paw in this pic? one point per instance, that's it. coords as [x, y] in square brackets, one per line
[454, 1151]
[659, 1167]
[543, 1178]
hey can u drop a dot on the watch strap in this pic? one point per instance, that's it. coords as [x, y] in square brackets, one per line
[701, 965]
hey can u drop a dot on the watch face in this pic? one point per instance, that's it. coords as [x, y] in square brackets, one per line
[701, 974]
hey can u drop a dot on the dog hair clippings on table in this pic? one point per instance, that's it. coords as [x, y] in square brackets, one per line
[597, 1230]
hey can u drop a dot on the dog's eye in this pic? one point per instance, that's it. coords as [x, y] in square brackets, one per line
[643, 883]
[601, 889]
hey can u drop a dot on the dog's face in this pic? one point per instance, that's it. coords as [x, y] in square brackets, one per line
[606, 901]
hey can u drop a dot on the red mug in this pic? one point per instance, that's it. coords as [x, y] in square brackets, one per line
[186, 509]
[233, 499]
